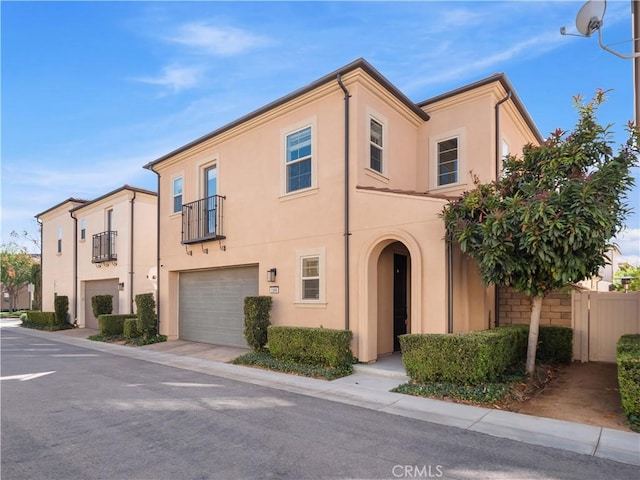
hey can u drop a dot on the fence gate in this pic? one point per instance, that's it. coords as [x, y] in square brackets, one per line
[599, 319]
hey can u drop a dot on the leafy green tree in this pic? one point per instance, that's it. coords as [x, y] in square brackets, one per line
[15, 271]
[36, 279]
[627, 271]
[549, 220]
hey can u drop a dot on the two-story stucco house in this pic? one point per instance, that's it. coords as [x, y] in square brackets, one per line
[328, 200]
[105, 246]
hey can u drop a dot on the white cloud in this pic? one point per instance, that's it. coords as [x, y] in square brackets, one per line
[629, 245]
[536, 45]
[176, 78]
[218, 41]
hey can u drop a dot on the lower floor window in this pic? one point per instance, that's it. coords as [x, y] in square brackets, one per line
[310, 278]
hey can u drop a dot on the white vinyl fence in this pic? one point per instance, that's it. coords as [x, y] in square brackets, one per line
[599, 319]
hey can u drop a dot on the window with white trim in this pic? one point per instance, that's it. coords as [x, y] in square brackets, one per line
[177, 195]
[448, 162]
[310, 276]
[59, 239]
[506, 151]
[310, 281]
[376, 145]
[83, 229]
[298, 160]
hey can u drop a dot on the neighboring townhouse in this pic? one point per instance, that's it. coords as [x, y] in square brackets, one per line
[24, 296]
[329, 200]
[112, 250]
[57, 229]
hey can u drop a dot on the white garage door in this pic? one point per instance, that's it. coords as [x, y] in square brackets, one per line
[99, 287]
[212, 304]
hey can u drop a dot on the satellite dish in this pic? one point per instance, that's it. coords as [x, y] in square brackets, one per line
[589, 18]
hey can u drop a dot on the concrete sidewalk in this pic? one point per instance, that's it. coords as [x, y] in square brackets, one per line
[369, 388]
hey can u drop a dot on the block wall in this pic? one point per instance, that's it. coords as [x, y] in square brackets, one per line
[515, 307]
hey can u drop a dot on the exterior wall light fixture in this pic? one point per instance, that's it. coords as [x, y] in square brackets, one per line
[271, 275]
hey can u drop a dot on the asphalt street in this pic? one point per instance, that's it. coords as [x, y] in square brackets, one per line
[74, 413]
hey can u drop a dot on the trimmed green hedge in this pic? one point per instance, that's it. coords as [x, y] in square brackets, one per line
[466, 358]
[314, 346]
[130, 328]
[628, 359]
[61, 306]
[257, 318]
[479, 357]
[555, 345]
[41, 318]
[145, 307]
[112, 324]
[102, 305]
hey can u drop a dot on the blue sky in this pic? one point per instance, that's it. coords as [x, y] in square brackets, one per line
[91, 91]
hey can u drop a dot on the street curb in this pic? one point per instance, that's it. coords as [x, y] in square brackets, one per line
[364, 391]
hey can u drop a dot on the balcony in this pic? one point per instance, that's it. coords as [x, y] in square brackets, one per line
[104, 247]
[202, 220]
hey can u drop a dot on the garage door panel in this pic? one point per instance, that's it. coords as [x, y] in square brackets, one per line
[212, 302]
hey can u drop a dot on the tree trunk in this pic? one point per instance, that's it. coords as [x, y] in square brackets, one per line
[536, 308]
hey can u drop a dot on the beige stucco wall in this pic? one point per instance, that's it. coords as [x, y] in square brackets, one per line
[57, 268]
[143, 253]
[266, 227]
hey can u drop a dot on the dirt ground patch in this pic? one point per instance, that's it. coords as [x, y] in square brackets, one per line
[580, 392]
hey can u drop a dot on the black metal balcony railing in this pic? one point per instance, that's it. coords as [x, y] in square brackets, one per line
[202, 220]
[104, 247]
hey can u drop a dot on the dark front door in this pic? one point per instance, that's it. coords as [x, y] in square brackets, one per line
[399, 298]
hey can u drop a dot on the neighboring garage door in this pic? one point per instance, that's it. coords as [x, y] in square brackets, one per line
[99, 287]
[212, 303]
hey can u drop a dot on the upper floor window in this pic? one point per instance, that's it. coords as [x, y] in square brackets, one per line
[506, 151]
[298, 160]
[109, 219]
[59, 239]
[83, 229]
[177, 195]
[448, 161]
[376, 147]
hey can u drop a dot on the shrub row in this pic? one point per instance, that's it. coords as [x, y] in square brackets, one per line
[315, 346]
[466, 358]
[628, 360]
[555, 344]
[113, 324]
[478, 357]
[130, 328]
[41, 318]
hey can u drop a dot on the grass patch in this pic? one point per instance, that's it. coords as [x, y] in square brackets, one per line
[264, 359]
[510, 388]
[48, 328]
[17, 313]
[139, 341]
[100, 337]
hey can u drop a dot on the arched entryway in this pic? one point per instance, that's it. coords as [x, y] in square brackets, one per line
[390, 303]
[394, 290]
